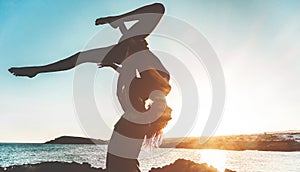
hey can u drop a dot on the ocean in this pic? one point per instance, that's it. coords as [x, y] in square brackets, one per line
[242, 161]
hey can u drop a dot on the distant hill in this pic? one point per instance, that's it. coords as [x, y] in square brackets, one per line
[268, 141]
[76, 140]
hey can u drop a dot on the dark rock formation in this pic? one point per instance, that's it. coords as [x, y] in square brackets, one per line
[52, 167]
[76, 140]
[182, 165]
[179, 165]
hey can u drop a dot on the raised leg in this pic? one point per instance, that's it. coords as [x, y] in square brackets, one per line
[147, 16]
[90, 56]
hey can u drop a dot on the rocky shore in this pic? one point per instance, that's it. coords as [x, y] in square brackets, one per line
[180, 165]
[52, 167]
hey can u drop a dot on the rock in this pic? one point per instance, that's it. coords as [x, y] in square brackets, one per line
[52, 167]
[180, 165]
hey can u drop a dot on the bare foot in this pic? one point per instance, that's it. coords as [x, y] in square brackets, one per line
[24, 71]
[107, 20]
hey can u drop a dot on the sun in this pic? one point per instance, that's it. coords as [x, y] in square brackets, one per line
[215, 158]
[174, 101]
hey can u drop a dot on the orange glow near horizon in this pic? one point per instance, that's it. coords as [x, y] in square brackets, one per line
[215, 158]
[174, 102]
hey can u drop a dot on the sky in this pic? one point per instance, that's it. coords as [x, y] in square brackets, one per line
[257, 43]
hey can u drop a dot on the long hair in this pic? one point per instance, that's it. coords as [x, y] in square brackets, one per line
[140, 90]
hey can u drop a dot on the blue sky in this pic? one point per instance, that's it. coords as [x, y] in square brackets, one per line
[257, 43]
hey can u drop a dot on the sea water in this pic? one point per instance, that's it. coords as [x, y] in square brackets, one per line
[243, 161]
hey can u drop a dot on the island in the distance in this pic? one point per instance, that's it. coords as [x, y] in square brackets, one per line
[76, 140]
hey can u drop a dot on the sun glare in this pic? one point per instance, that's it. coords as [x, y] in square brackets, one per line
[174, 102]
[215, 158]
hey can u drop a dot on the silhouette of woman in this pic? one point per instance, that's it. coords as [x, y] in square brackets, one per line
[142, 78]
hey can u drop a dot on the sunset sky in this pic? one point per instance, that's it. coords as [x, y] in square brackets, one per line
[257, 43]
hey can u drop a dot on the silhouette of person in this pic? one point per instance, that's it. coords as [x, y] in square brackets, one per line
[142, 79]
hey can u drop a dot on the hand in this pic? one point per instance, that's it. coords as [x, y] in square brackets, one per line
[24, 71]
